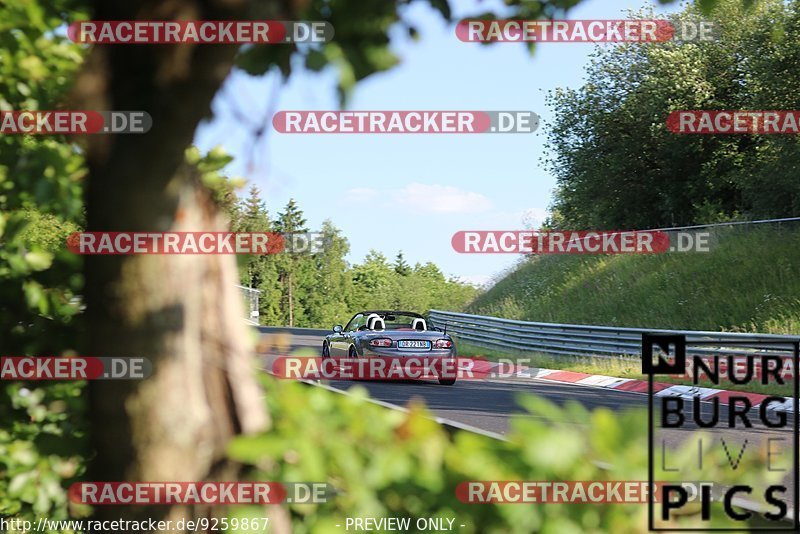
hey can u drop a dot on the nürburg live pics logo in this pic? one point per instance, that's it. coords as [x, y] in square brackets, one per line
[729, 420]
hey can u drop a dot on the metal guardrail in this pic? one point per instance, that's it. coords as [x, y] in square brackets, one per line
[294, 330]
[607, 341]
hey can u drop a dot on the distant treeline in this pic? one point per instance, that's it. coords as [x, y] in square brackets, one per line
[322, 289]
[617, 165]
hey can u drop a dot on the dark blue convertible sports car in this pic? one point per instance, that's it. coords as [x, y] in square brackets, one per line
[390, 334]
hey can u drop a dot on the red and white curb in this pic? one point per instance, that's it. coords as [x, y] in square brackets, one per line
[660, 389]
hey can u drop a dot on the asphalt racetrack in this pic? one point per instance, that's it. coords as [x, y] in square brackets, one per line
[488, 404]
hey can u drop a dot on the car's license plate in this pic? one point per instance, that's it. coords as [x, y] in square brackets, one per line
[413, 344]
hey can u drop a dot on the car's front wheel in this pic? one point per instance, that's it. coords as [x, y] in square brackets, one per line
[326, 351]
[352, 352]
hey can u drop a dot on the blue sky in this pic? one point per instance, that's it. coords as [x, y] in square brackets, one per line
[413, 192]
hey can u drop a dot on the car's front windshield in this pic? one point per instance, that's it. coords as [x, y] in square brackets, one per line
[355, 323]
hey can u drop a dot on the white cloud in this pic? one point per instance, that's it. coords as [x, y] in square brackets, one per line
[427, 198]
[434, 198]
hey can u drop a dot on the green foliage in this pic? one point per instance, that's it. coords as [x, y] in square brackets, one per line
[332, 281]
[749, 282]
[295, 270]
[210, 167]
[391, 464]
[400, 265]
[41, 425]
[258, 271]
[43, 443]
[36, 68]
[376, 285]
[361, 47]
[618, 166]
[322, 289]
[40, 193]
[45, 233]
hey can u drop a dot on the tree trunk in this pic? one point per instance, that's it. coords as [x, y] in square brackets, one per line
[183, 313]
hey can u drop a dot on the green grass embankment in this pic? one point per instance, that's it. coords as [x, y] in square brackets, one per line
[749, 282]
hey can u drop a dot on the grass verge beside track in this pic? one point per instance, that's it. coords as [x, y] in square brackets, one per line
[748, 282]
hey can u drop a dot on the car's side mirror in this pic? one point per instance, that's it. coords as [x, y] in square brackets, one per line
[338, 329]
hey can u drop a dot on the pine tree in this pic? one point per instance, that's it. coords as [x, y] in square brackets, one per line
[327, 302]
[292, 268]
[253, 213]
[258, 271]
[291, 219]
[400, 266]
